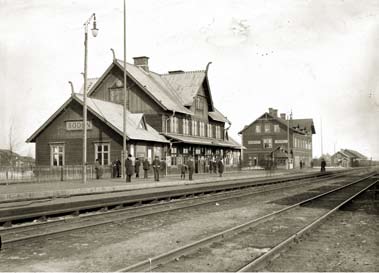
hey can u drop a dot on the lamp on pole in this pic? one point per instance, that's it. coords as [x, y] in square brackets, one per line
[94, 31]
[288, 140]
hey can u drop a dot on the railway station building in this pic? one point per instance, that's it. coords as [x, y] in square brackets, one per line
[267, 138]
[171, 116]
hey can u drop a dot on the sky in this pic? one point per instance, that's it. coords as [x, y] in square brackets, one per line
[316, 58]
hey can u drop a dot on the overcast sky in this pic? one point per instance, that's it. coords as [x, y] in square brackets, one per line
[318, 58]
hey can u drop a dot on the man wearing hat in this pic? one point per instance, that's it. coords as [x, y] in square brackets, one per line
[129, 170]
[156, 168]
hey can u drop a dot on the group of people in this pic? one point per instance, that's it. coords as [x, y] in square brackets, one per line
[214, 165]
[132, 168]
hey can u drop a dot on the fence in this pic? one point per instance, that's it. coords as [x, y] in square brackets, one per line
[9, 174]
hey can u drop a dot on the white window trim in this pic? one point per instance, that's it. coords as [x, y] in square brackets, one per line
[52, 145]
[109, 152]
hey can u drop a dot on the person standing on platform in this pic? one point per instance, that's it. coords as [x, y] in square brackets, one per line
[156, 168]
[137, 166]
[214, 165]
[146, 168]
[220, 167]
[191, 166]
[118, 167]
[97, 168]
[129, 168]
[183, 170]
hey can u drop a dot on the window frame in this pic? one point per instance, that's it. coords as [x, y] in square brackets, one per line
[103, 144]
[52, 153]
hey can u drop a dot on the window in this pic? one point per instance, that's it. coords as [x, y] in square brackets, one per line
[185, 150]
[267, 128]
[142, 125]
[185, 126]
[174, 125]
[194, 128]
[57, 155]
[202, 128]
[267, 143]
[199, 103]
[257, 128]
[209, 129]
[198, 151]
[102, 152]
[218, 131]
[116, 95]
[174, 152]
[276, 128]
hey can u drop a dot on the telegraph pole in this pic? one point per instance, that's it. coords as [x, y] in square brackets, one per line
[125, 101]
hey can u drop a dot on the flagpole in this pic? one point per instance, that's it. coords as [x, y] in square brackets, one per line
[125, 100]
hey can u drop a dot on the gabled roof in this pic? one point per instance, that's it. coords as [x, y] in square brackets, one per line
[231, 143]
[342, 153]
[173, 91]
[217, 116]
[306, 123]
[186, 84]
[90, 83]
[354, 154]
[112, 115]
[281, 121]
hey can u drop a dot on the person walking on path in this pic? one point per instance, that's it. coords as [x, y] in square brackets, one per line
[129, 168]
[323, 165]
[146, 168]
[183, 170]
[156, 168]
[190, 165]
[220, 166]
[137, 167]
[97, 168]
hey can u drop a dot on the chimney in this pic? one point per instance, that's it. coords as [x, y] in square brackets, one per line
[142, 62]
[283, 116]
[175, 72]
[273, 112]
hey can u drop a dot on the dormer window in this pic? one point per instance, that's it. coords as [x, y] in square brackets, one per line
[142, 125]
[199, 103]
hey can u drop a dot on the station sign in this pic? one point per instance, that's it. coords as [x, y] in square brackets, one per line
[76, 125]
[281, 141]
[253, 142]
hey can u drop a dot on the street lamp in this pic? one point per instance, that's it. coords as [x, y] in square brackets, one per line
[94, 31]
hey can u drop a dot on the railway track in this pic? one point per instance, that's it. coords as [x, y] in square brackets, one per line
[41, 211]
[60, 225]
[258, 240]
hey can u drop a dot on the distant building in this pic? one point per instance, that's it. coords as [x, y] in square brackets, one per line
[11, 159]
[266, 138]
[171, 116]
[348, 158]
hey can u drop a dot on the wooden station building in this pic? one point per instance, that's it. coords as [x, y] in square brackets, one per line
[266, 138]
[171, 116]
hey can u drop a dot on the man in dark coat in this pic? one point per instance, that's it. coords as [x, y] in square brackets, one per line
[129, 168]
[118, 168]
[220, 166]
[323, 165]
[146, 167]
[97, 168]
[156, 168]
[137, 166]
[190, 165]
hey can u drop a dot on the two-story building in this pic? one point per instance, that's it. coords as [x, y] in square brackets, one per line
[171, 116]
[286, 141]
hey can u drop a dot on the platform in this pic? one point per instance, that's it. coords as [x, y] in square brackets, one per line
[32, 191]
